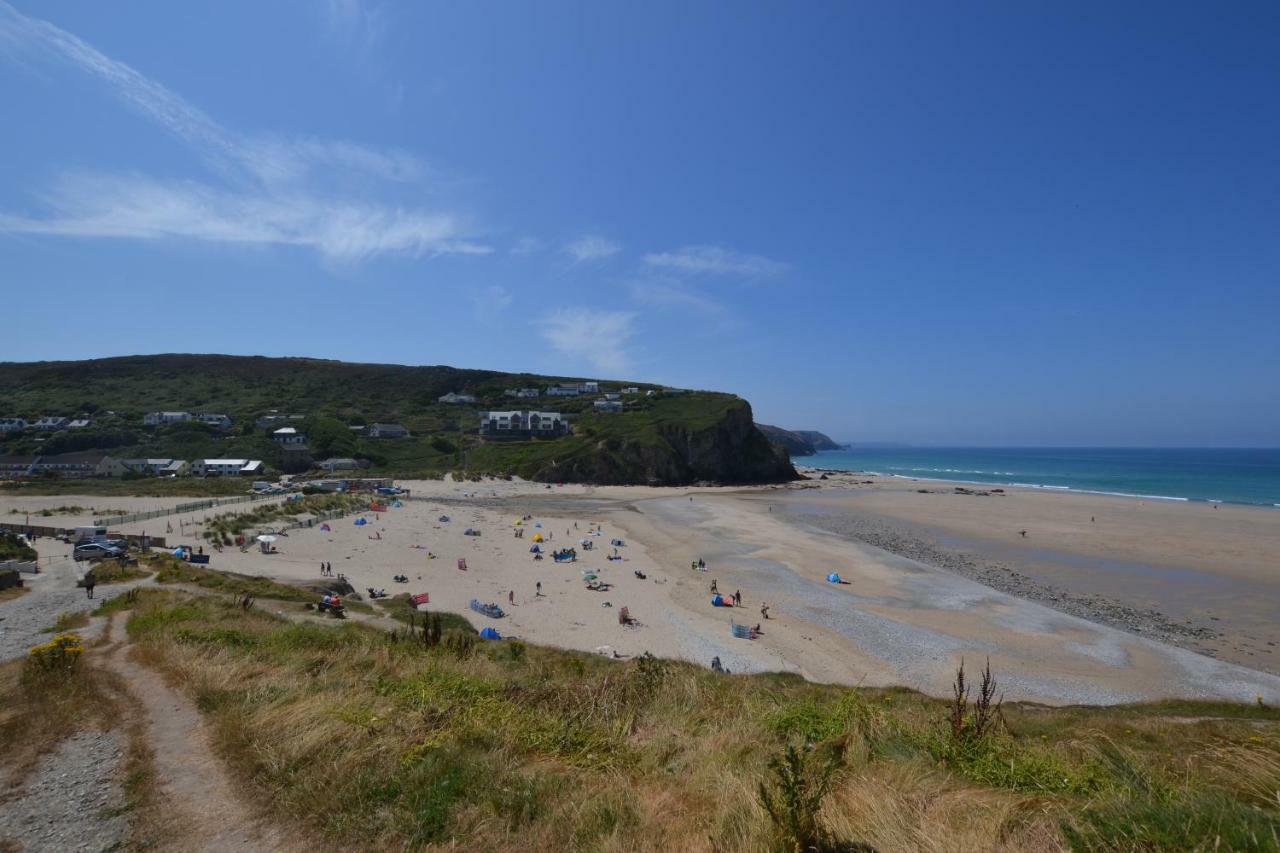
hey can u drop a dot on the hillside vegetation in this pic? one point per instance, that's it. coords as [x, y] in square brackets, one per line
[798, 442]
[660, 438]
[377, 740]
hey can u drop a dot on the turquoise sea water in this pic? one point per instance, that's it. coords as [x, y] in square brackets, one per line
[1247, 476]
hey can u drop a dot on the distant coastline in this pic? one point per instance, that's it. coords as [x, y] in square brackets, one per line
[1244, 476]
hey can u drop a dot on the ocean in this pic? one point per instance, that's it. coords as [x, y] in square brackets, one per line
[1238, 475]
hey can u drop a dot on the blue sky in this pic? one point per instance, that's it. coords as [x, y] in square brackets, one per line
[935, 223]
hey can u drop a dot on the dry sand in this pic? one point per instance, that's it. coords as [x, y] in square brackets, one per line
[898, 621]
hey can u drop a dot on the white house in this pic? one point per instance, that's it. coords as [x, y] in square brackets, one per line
[338, 464]
[589, 387]
[157, 418]
[155, 467]
[522, 393]
[613, 396]
[631, 389]
[388, 431]
[563, 391]
[452, 397]
[51, 423]
[522, 424]
[215, 420]
[226, 467]
[289, 435]
[608, 406]
[79, 423]
[12, 424]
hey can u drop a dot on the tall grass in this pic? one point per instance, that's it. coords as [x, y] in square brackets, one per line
[379, 741]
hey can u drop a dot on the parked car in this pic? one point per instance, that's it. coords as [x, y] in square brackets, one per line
[96, 551]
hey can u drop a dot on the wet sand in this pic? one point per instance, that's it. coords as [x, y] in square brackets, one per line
[1183, 572]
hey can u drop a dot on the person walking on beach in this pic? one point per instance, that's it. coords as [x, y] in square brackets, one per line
[90, 581]
[511, 596]
[737, 598]
[538, 587]
[713, 586]
[1023, 533]
[764, 610]
[322, 572]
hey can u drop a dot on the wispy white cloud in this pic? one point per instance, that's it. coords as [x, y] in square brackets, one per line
[591, 248]
[491, 301]
[141, 208]
[274, 191]
[526, 246]
[669, 293]
[358, 25]
[595, 337]
[714, 260]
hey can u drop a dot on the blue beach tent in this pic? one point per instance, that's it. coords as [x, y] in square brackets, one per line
[360, 522]
[833, 577]
[489, 634]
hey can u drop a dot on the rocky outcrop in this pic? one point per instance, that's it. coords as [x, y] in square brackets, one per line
[794, 442]
[817, 440]
[727, 449]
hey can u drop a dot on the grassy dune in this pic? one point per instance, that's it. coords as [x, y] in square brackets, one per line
[376, 741]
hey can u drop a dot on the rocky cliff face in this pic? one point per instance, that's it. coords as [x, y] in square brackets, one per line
[729, 450]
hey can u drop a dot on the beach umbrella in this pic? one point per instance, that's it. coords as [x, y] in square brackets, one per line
[266, 537]
[537, 524]
[833, 577]
[584, 541]
[537, 537]
[519, 521]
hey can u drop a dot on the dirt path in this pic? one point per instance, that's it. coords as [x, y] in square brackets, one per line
[197, 796]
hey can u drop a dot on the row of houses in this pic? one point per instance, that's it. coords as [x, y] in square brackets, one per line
[93, 463]
[213, 419]
[51, 423]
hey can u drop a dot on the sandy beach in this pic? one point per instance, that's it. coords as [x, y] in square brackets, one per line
[898, 620]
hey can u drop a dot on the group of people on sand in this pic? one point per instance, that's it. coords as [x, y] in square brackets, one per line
[326, 571]
[736, 598]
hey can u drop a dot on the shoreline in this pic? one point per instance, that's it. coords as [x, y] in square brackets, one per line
[804, 470]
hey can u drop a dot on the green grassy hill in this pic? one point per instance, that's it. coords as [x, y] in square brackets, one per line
[357, 738]
[663, 438]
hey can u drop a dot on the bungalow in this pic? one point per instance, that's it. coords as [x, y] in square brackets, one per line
[14, 467]
[157, 418]
[522, 424]
[214, 420]
[227, 467]
[79, 466]
[631, 389]
[613, 396]
[264, 421]
[339, 464]
[608, 406]
[522, 393]
[388, 431]
[452, 397]
[589, 387]
[289, 435]
[563, 391]
[13, 424]
[51, 423]
[162, 467]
